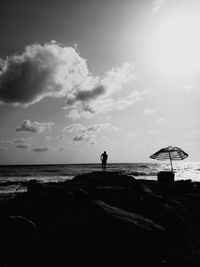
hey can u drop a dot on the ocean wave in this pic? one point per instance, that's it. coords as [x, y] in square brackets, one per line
[137, 173]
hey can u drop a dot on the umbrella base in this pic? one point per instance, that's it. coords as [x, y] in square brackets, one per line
[166, 177]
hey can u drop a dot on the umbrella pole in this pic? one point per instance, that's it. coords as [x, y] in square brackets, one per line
[171, 162]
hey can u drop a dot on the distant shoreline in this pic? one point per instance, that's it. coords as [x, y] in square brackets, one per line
[97, 163]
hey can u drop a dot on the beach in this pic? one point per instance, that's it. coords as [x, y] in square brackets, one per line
[102, 218]
[13, 178]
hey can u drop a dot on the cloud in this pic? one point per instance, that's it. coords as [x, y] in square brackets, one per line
[86, 95]
[78, 111]
[52, 70]
[22, 143]
[81, 137]
[157, 4]
[149, 111]
[23, 146]
[3, 148]
[109, 84]
[115, 78]
[106, 104]
[94, 142]
[34, 127]
[42, 149]
[103, 97]
[16, 141]
[88, 133]
[74, 127]
[80, 128]
[48, 70]
[60, 136]
[97, 127]
[20, 140]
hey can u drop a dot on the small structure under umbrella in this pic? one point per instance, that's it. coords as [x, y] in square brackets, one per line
[171, 153]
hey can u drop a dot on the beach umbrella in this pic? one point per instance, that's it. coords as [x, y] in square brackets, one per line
[171, 153]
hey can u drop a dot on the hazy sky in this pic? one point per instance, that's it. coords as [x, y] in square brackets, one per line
[83, 76]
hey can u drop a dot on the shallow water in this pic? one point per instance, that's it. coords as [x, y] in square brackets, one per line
[13, 178]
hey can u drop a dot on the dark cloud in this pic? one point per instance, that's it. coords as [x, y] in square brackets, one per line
[86, 95]
[41, 71]
[93, 143]
[80, 137]
[96, 127]
[52, 70]
[34, 127]
[60, 137]
[102, 97]
[41, 149]
[23, 82]
[23, 146]
[87, 108]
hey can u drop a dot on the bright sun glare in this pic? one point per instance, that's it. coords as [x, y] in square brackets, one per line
[176, 45]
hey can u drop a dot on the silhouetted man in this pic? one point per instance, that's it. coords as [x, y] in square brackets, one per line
[104, 158]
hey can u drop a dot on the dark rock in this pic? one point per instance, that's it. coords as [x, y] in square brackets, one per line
[112, 217]
[105, 178]
[123, 197]
[18, 240]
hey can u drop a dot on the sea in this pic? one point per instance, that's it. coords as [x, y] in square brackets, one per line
[14, 178]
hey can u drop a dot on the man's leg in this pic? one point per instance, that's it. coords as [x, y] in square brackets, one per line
[103, 164]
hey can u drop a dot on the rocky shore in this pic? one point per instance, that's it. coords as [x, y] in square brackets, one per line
[102, 218]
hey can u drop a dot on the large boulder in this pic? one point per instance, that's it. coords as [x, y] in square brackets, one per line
[18, 241]
[94, 179]
[176, 219]
[105, 233]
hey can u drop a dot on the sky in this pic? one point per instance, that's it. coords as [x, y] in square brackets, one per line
[80, 77]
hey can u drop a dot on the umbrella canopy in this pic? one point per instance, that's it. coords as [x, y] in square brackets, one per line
[171, 153]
